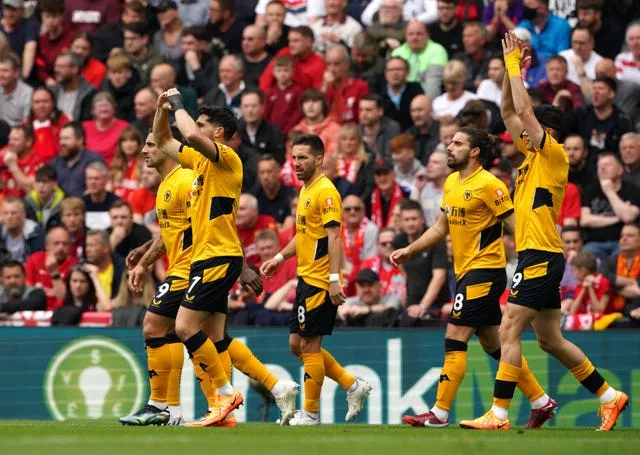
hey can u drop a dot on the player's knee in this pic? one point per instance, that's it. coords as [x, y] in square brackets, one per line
[294, 347]
[184, 331]
[547, 343]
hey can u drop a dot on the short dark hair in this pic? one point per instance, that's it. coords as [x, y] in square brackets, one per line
[597, 5]
[375, 98]
[586, 260]
[199, 33]
[229, 5]
[406, 64]
[26, 130]
[268, 157]
[607, 154]
[583, 29]
[11, 263]
[550, 116]
[558, 58]
[313, 94]
[85, 36]
[313, 141]
[410, 204]
[305, 31]
[283, 60]
[52, 7]
[139, 28]
[254, 91]
[12, 59]
[221, 116]
[46, 173]
[276, 2]
[119, 203]
[135, 6]
[607, 80]
[573, 229]
[487, 143]
[78, 129]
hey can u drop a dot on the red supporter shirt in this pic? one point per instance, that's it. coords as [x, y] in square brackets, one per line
[391, 279]
[142, 201]
[29, 165]
[571, 204]
[307, 73]
[601, 286]
[94, 72]
[48, 52]
[247, 237]
[38, 275]
[130, 183]
[88, 15]
[283, 108]
[344, 101]
[286, 272]
[47, 137]
[103, 142]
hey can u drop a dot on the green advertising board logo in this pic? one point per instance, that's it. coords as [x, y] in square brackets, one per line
[93, 378]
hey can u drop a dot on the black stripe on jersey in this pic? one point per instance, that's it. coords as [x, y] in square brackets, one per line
[541, 198]
[505, 214]
[322, 248]
[332, 223]
[187, 238]
[544, 138]
[220, 206]
[490, 235]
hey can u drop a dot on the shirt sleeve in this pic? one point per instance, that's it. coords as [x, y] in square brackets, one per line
[497, 199]
[228, 159]
[440, 260]
[187, 157]
[330, 206]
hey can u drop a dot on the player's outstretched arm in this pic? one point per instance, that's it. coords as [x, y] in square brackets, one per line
[272, 264]
[509, 223]
[521, 101]
[429, 238]
[508, 110]
[155, 252]
[162, 131]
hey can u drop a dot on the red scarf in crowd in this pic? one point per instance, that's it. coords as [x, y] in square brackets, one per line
[376, 205]
[352, 249]
[628, 269]
[349, 169]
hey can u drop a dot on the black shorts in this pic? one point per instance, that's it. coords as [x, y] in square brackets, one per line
[168, 297]
[477, 300]
[536, 283]
[313, 313]
[210, 283]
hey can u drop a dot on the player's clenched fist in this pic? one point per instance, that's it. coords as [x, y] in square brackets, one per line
[400, 256]
[269, 267]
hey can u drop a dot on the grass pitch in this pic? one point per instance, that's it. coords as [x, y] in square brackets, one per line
[25, 437]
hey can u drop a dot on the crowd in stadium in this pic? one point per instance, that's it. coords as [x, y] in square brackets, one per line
[385, 83]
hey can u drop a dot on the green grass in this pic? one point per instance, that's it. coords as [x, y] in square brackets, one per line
[23, 437]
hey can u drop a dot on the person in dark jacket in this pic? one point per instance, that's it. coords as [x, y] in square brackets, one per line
[15, 295]
[20, 236]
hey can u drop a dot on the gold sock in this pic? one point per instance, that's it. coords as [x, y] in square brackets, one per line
[528, 384]
[207, 388]
[451, 376]
[244, 360]
[159, 366]
[590, 378]
[506, 380]
[204, 354]
[177, 361]
[313, 379]
[335, 371]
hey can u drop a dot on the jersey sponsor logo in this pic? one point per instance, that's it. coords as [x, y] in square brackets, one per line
[467, 195]
[499, 192]
[156, 302]
[329, 202]
[189, 298]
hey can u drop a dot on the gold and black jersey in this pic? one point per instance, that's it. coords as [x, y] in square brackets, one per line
[214, 202]
[319, 206]
[540, 186]
[172, 206]
[474, 208]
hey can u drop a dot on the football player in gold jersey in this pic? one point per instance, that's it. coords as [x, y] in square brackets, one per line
[535, 297]
[475, 205]
[318, 248]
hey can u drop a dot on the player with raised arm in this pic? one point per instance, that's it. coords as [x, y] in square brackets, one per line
[318, 248]
[475, 206]
[535, 297]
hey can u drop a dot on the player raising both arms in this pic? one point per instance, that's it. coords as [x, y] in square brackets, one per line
[317, 246]
[535, 296]
[475, 206]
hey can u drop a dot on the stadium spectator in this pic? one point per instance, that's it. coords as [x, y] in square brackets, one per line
[124, 234]
[627, 92]
[449, 126]
[15, 294]
[421, 10]
[608, 31]
[72, 92]
[308, 67]
[405, 164]
[55, 38]
[426, 58]
[376, 129]
[581, 58]
[330, 167]
[571, 207]
[110, 267]
[18, 234]
[167, 40]
[628, 63]
[73, 160]
[22, 34]
[358, 237]
[550, 34]
[136, 46]
[249, 157]
[122, 82]
[276, 31]
[15, 95]
[198, 67]
[144, 104]
[97, 199]
[482, 114]
[475, 55]
[19, 163]
[143, 199]
[342, 91]
[426, 273]
[277, 307]
[366, 63]
[582, 167]
[369, 307]
[557, 89]
[455, 97]
[249, 223]
[398, 93]
[592, 293]
[124, 172]
[283, 100]
[392, 281]
[194, 12]
[111, 36]
[630, 157]
[49, 269]
[387, 27]
[490, 89]
[79, 297]
[297, 13]
[424, 128]
[163, 77]
[353, 162]
[447, 30]
[103, 130]
[572, 243]
[601, 123]
[43, 202]
[533, 73]
[500, 17]
[87, 15]
[46, 120]
[229, 91]
[607, 205]
[316, 120]
[432, 181]
[92, 69]
[335, 27]
[256, 132]
[223, 27]
[72, 216]
[254, 55]
[469, 10]
[386, 194]
[273, 197]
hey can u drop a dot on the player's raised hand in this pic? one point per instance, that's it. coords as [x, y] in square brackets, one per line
[163, 102]
[250, 279]
[400, 256]
[510, 43]
[336, 293]
[269, 267]
[175, 99]
[136, 278]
